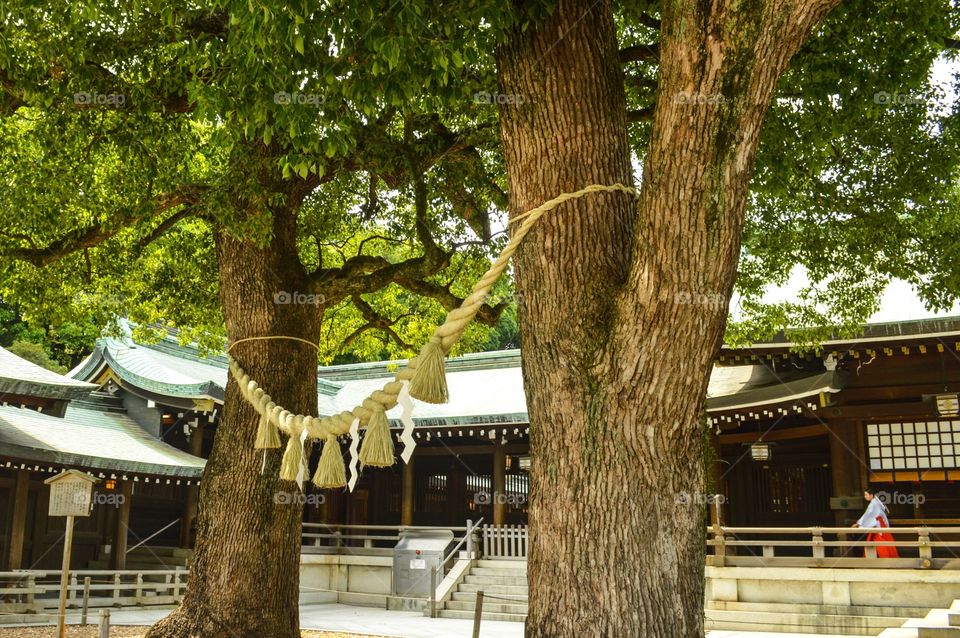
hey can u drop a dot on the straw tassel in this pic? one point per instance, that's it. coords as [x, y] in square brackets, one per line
[267, 436]
[377, 448]
[331, 472]
[292, 458]
[429, 383]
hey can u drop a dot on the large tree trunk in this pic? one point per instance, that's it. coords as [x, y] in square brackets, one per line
[244, 577]
[624, 305]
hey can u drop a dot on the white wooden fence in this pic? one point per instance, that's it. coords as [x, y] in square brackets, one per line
[505, 541]
[37, 592]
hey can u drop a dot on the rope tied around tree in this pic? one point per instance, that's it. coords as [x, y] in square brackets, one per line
[424, 378]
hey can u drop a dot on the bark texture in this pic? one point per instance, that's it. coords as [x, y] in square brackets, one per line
[244, 577]
[625, 305]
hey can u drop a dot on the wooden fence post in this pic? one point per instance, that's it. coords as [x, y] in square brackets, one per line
[719, 547]
[926, 552]
[86, 600]
[478, 615]
[818, 543]
[31, 589]
[104, 623]
[433, 592]
[176, 583]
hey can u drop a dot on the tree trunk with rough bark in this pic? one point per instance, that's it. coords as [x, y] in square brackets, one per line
[624, 304]
[244, 576]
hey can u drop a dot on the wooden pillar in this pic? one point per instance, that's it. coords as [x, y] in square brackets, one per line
[406, 507]
[18, 522]
[499, 484]
[193, 491]
[456, 494]
[716, 464]
[847, 466]
[118, 553]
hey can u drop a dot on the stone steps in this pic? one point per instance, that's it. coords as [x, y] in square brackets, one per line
[504, 585]
[490, 606]
[496, 572]
[494, 580]
[506, 590]
[520, 565]
[468, 615]
[937, 623]
[520, 597]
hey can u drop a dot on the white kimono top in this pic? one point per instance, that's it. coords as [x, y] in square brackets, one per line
[875, 508]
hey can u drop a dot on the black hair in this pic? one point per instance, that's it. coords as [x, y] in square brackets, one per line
[872, 491]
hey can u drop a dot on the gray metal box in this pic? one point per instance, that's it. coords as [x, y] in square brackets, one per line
[415, 556]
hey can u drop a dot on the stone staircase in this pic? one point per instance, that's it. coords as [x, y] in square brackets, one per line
[939, 623]
[504, 587]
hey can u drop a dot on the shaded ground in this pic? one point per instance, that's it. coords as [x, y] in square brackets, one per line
[91, 631]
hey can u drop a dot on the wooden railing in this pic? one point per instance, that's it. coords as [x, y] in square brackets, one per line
[505, 541]
[361, 539]
[37, 592]
[919, 547]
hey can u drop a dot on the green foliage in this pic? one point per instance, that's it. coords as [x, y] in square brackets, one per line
[856, 173]
[63, 346]
[35, 353]
[131, 135]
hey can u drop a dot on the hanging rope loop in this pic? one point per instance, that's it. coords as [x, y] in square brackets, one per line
[423, 375]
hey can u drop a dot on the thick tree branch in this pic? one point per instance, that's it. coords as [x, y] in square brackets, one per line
[648, 20]
[640, 115]
[488, 315]
[376, 321]
[94, 235]
[640, 53]
[164, 227]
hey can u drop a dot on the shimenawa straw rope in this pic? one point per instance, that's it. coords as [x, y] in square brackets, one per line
[424, 373]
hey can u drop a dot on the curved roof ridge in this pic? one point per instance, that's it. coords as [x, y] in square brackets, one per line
[21, 377]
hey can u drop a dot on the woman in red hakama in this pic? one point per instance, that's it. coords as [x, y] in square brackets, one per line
[876, 518]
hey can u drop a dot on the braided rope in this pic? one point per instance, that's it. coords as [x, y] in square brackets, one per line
[448, 333]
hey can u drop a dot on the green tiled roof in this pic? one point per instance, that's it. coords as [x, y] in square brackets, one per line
[484, 387]
[21, 377]
[91, 439]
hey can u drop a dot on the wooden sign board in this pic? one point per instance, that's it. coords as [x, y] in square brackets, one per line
[71, 493]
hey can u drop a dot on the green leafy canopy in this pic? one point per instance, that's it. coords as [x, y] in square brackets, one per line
[130, 134]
